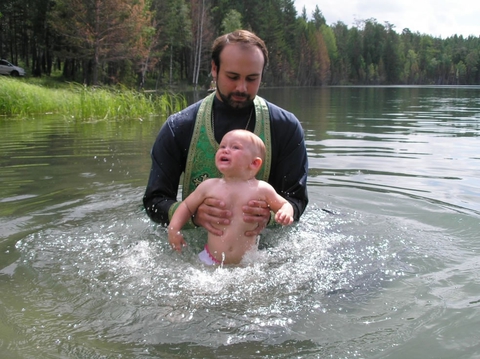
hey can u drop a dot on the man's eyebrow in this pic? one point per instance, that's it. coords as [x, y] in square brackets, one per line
[237, 74]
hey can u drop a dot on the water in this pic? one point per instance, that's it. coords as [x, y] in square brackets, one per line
[383, 264]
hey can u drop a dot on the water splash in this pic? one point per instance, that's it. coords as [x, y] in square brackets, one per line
[123, 280]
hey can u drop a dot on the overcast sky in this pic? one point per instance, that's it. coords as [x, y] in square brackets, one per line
[440, 18]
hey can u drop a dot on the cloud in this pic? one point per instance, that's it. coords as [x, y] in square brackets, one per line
[434, 17]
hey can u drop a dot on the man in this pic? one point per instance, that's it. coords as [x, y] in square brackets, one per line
[188, 141]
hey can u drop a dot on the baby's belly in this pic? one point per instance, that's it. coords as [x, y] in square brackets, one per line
[232, 245]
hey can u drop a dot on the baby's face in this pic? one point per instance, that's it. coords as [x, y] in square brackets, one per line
[234, 154]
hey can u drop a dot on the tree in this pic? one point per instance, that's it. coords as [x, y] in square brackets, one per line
[373, 41]
[323, 60]
[111, 41]
[355, 57]
[303, 16]
[144, 40]
[267, 20]
[390, 56]
[341, 65]
[472, 62]
[331, 46]
[318, 18]
[314, 60]
[202, 33]
[12, 28]
[232, 21]
[461, 72]
[411, 69]
[100, 31]
[177, 36]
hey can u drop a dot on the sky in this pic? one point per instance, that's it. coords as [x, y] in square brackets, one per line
[439, 18]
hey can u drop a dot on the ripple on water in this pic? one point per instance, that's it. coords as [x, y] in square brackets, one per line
[122, 280]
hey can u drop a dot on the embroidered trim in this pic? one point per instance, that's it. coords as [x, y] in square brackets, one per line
[211, 256]
[203, 117]
[262, 116]
[202, 156]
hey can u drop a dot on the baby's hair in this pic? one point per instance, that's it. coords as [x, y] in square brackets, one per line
[258, 145]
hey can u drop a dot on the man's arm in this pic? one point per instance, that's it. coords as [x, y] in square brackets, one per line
[290, 162]
[168, 154]
[288, 174]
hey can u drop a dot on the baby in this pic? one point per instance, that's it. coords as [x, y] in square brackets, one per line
[239, 159]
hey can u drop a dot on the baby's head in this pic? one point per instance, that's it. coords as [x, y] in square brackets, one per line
[251, 142]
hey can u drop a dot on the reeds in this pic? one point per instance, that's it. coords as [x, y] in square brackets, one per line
[76, 101]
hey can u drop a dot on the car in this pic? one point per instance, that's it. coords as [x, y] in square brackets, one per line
[7, 68]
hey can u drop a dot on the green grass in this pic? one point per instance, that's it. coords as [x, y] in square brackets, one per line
[20, 97]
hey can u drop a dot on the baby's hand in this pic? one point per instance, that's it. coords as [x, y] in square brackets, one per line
[283, 218]
[176, 240]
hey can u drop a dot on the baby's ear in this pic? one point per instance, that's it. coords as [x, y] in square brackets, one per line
[257, 163]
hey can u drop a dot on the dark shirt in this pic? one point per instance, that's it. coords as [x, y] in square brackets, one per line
[289, 169]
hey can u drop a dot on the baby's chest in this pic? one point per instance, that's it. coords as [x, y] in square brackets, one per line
[239, 198]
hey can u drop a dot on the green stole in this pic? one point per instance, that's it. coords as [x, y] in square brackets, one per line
[203, 146]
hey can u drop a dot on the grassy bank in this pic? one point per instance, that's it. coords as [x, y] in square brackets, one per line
[21, 98]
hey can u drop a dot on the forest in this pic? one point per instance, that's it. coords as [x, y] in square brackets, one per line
[155, 44]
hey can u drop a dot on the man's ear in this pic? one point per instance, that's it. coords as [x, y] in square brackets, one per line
[214, 70]
[256, 163]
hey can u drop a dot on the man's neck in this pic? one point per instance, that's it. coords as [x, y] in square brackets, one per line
[226, 118]
[222, 107]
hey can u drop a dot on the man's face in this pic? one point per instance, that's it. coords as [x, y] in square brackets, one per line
[240, 74]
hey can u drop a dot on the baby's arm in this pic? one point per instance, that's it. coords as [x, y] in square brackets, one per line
[181, 216]
[284, 215]
[282, 208]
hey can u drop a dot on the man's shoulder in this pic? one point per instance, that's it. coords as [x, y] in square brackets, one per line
[279, 113]
[189, 113]
[283, 122]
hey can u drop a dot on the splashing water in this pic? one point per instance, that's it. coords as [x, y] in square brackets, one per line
[122, 280]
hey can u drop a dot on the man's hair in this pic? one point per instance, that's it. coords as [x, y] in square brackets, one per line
[238, 37]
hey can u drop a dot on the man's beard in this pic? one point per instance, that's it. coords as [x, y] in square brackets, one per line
[227, 99]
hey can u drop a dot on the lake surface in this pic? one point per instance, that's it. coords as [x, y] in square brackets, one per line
[384, 263]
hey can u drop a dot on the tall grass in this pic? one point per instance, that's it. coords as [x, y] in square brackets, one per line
[19, 98]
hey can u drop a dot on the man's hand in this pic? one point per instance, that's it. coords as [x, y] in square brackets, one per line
[212, 211]
[256, 211]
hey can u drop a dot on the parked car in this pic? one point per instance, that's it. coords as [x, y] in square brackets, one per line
[6, 68]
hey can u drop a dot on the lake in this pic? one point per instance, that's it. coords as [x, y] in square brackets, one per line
[384, 263]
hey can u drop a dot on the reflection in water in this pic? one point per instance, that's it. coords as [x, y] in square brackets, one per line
[415, 141]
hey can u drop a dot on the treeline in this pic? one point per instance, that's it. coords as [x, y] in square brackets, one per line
[160, 43]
